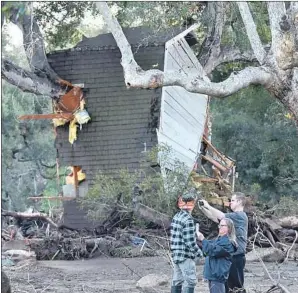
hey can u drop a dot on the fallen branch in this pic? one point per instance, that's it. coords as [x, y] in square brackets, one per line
[288, 252]
[275, 283]
[20, 215]
[152, 215]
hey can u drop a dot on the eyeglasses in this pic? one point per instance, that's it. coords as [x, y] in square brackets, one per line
[219, 226]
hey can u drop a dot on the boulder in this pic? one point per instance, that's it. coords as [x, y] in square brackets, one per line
[270, 254]
[5, 284]
[149, 283]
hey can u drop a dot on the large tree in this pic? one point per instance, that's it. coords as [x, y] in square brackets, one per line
[272, 65]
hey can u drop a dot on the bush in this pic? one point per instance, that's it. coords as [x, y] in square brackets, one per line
[149, 187]
[287, 206]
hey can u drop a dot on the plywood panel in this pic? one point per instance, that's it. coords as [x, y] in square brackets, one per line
[183, 114]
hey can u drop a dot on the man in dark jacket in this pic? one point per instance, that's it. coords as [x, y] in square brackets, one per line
[183, 246]
[235, 281]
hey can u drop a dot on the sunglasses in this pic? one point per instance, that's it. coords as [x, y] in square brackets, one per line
[219, 226]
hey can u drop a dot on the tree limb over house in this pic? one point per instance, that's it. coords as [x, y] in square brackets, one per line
[277, 71]
[277, 63]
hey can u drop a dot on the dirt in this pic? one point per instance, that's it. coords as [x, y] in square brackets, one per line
[121, 275]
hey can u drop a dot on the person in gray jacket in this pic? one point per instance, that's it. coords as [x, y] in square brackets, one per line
[235, 282]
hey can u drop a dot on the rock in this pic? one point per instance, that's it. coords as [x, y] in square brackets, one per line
[17, 254]
[5, 284]
[150, 282]
[128, 251]
[270, 254]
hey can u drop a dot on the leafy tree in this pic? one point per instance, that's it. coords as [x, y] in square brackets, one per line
[275, 64]
[239, 45]
[256, 131]
[28, 155]
[123, 190]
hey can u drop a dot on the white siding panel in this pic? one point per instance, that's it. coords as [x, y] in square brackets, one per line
[183, 114]
[178, 152]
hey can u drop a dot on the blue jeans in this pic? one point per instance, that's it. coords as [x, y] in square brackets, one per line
[216, 287]
[185, 272]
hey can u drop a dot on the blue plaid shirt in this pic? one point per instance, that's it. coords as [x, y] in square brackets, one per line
[183, 237]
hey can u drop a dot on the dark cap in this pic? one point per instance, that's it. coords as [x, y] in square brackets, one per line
[189, 195]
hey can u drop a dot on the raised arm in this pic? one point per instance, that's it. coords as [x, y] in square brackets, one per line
[210, 212]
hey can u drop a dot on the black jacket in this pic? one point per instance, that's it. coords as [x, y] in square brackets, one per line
[219, 258]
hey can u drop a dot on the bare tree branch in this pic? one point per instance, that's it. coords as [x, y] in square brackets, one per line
[20, 215]
[27, 81]
[228, 54]
[214, 40]
[42, 80]
[34, 45]
[211, 44]
[276, 11]
[251, 31]
[135, 76]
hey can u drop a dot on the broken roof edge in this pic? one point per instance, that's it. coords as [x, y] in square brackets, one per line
[137, 37]
[141, 36]
[183, 33]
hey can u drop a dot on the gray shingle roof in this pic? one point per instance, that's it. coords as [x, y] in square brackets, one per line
[122, 120]
[138, 36]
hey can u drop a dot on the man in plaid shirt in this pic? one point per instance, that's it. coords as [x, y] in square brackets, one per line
[183, 245]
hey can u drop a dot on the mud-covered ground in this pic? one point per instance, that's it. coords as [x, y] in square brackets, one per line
[121, 275]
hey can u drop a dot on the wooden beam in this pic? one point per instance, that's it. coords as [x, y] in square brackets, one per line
[202, 179]
[229, 162]
[51, 197]
[67, 116]
[215, 163]
[76, 181]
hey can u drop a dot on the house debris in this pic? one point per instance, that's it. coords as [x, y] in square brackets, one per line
[124, 121]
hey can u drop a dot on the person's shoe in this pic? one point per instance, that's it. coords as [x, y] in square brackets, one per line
[176, 289]
[189, 290]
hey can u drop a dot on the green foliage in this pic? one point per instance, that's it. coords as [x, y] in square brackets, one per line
[157, 15]
[253, 128]
[155, 191]
[18, 9]
[234, 33]
[261, 18]
[27, 147]
[60, 21]
[287, 206]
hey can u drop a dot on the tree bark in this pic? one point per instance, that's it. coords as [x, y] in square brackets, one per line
[211, 49]
[42, 79]
[34, 45]
[273, 73]
[251, 30]
[136, 77]
[28, 81]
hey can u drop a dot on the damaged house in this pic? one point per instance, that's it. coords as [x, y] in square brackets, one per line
[115, 127]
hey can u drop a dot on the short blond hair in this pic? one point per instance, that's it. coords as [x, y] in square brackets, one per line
[241, 197]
